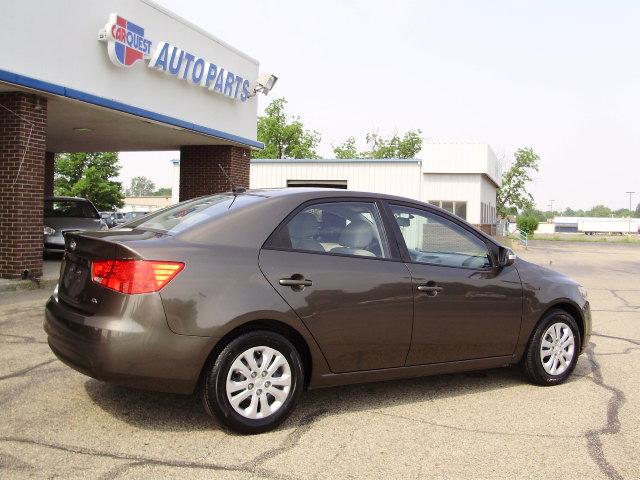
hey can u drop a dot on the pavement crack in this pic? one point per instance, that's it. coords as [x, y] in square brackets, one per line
[10, 462]
[136, 460]
[613, 310]
[612, 426]
[118, 470]
[304, 425]
[624, 352]
[476, 430]
[624, 339]
[24, 371]
[23, 338]
[624, 301]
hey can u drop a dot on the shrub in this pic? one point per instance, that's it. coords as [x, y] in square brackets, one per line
[528, 224]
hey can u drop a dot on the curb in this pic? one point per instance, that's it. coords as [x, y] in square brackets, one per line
[14, 286]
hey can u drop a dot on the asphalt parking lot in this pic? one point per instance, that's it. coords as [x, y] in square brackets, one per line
[490, 424]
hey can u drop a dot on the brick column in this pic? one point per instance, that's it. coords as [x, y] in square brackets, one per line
[200, 172]
[49, 167]
[22, 151]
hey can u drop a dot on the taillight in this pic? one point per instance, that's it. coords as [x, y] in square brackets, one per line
[134, 276]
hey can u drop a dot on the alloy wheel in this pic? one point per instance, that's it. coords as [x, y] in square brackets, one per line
[557, 348]
[258, 382]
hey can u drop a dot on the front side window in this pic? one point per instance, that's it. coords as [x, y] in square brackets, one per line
[436, 240]
[347, 228]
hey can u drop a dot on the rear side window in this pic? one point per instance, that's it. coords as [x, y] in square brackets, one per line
[345, 228]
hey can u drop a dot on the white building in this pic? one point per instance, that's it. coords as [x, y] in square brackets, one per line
[590, 225]
[459, 177]
[146, 203]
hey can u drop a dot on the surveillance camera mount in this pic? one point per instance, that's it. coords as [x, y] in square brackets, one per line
[264, 85]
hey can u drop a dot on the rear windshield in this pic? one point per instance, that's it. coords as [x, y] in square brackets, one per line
[69, 209]
[184, 215]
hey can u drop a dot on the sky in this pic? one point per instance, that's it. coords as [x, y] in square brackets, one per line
[560, 77]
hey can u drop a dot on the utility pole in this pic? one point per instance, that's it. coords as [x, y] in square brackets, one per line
[551, 205]
[630, 194]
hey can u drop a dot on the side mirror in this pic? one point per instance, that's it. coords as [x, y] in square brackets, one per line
[403, 221]
[507, 257]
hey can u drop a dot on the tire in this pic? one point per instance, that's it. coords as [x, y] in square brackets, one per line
[237, 373]
[537, 362]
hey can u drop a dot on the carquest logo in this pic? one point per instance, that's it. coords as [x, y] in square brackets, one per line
[127, 44]
[126, 41]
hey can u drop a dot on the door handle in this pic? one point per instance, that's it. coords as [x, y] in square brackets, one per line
[431, 290]
[295, 282]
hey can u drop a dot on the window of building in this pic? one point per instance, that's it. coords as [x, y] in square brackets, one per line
[456, 207]
[448, 206]
[435, 240]
[346, 228]
[318, 183]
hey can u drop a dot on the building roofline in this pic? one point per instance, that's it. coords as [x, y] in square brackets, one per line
[200, 30]
[490, 179]
[335, 160]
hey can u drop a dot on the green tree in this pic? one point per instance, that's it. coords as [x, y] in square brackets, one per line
[538, 214]
[141, 187]
[346, 149]
[599, 211]
[528, 224]
[396, 146]
[162, 192]
[284, 136]
[89, 175]
[407, 146]
[512, 196]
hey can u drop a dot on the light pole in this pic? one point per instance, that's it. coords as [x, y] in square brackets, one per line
[630, 194]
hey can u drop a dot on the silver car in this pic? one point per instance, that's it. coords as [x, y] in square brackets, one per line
[68, 214]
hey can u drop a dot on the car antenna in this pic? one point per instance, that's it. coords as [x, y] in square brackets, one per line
[235, 190]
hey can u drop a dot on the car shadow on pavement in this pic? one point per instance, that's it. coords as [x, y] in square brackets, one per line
[150, 410]
[170, 412]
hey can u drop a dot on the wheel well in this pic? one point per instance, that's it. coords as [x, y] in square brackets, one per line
[274, 326]
[574, 312]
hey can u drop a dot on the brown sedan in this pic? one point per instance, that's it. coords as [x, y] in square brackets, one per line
[249, 297]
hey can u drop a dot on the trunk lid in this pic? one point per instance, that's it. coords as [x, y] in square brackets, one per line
[75, 287]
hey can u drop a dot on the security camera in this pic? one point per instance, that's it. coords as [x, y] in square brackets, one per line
[265, 83]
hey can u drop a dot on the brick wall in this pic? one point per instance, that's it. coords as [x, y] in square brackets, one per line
[488, 228]
[21, 186]
[200, 172]
[49, 167]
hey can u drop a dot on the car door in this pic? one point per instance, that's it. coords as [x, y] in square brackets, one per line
[465, 307]
[332, 263]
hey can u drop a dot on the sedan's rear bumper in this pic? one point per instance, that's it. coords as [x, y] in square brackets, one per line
[125, 351]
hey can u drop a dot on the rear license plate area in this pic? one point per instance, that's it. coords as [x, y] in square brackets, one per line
[75, 277]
